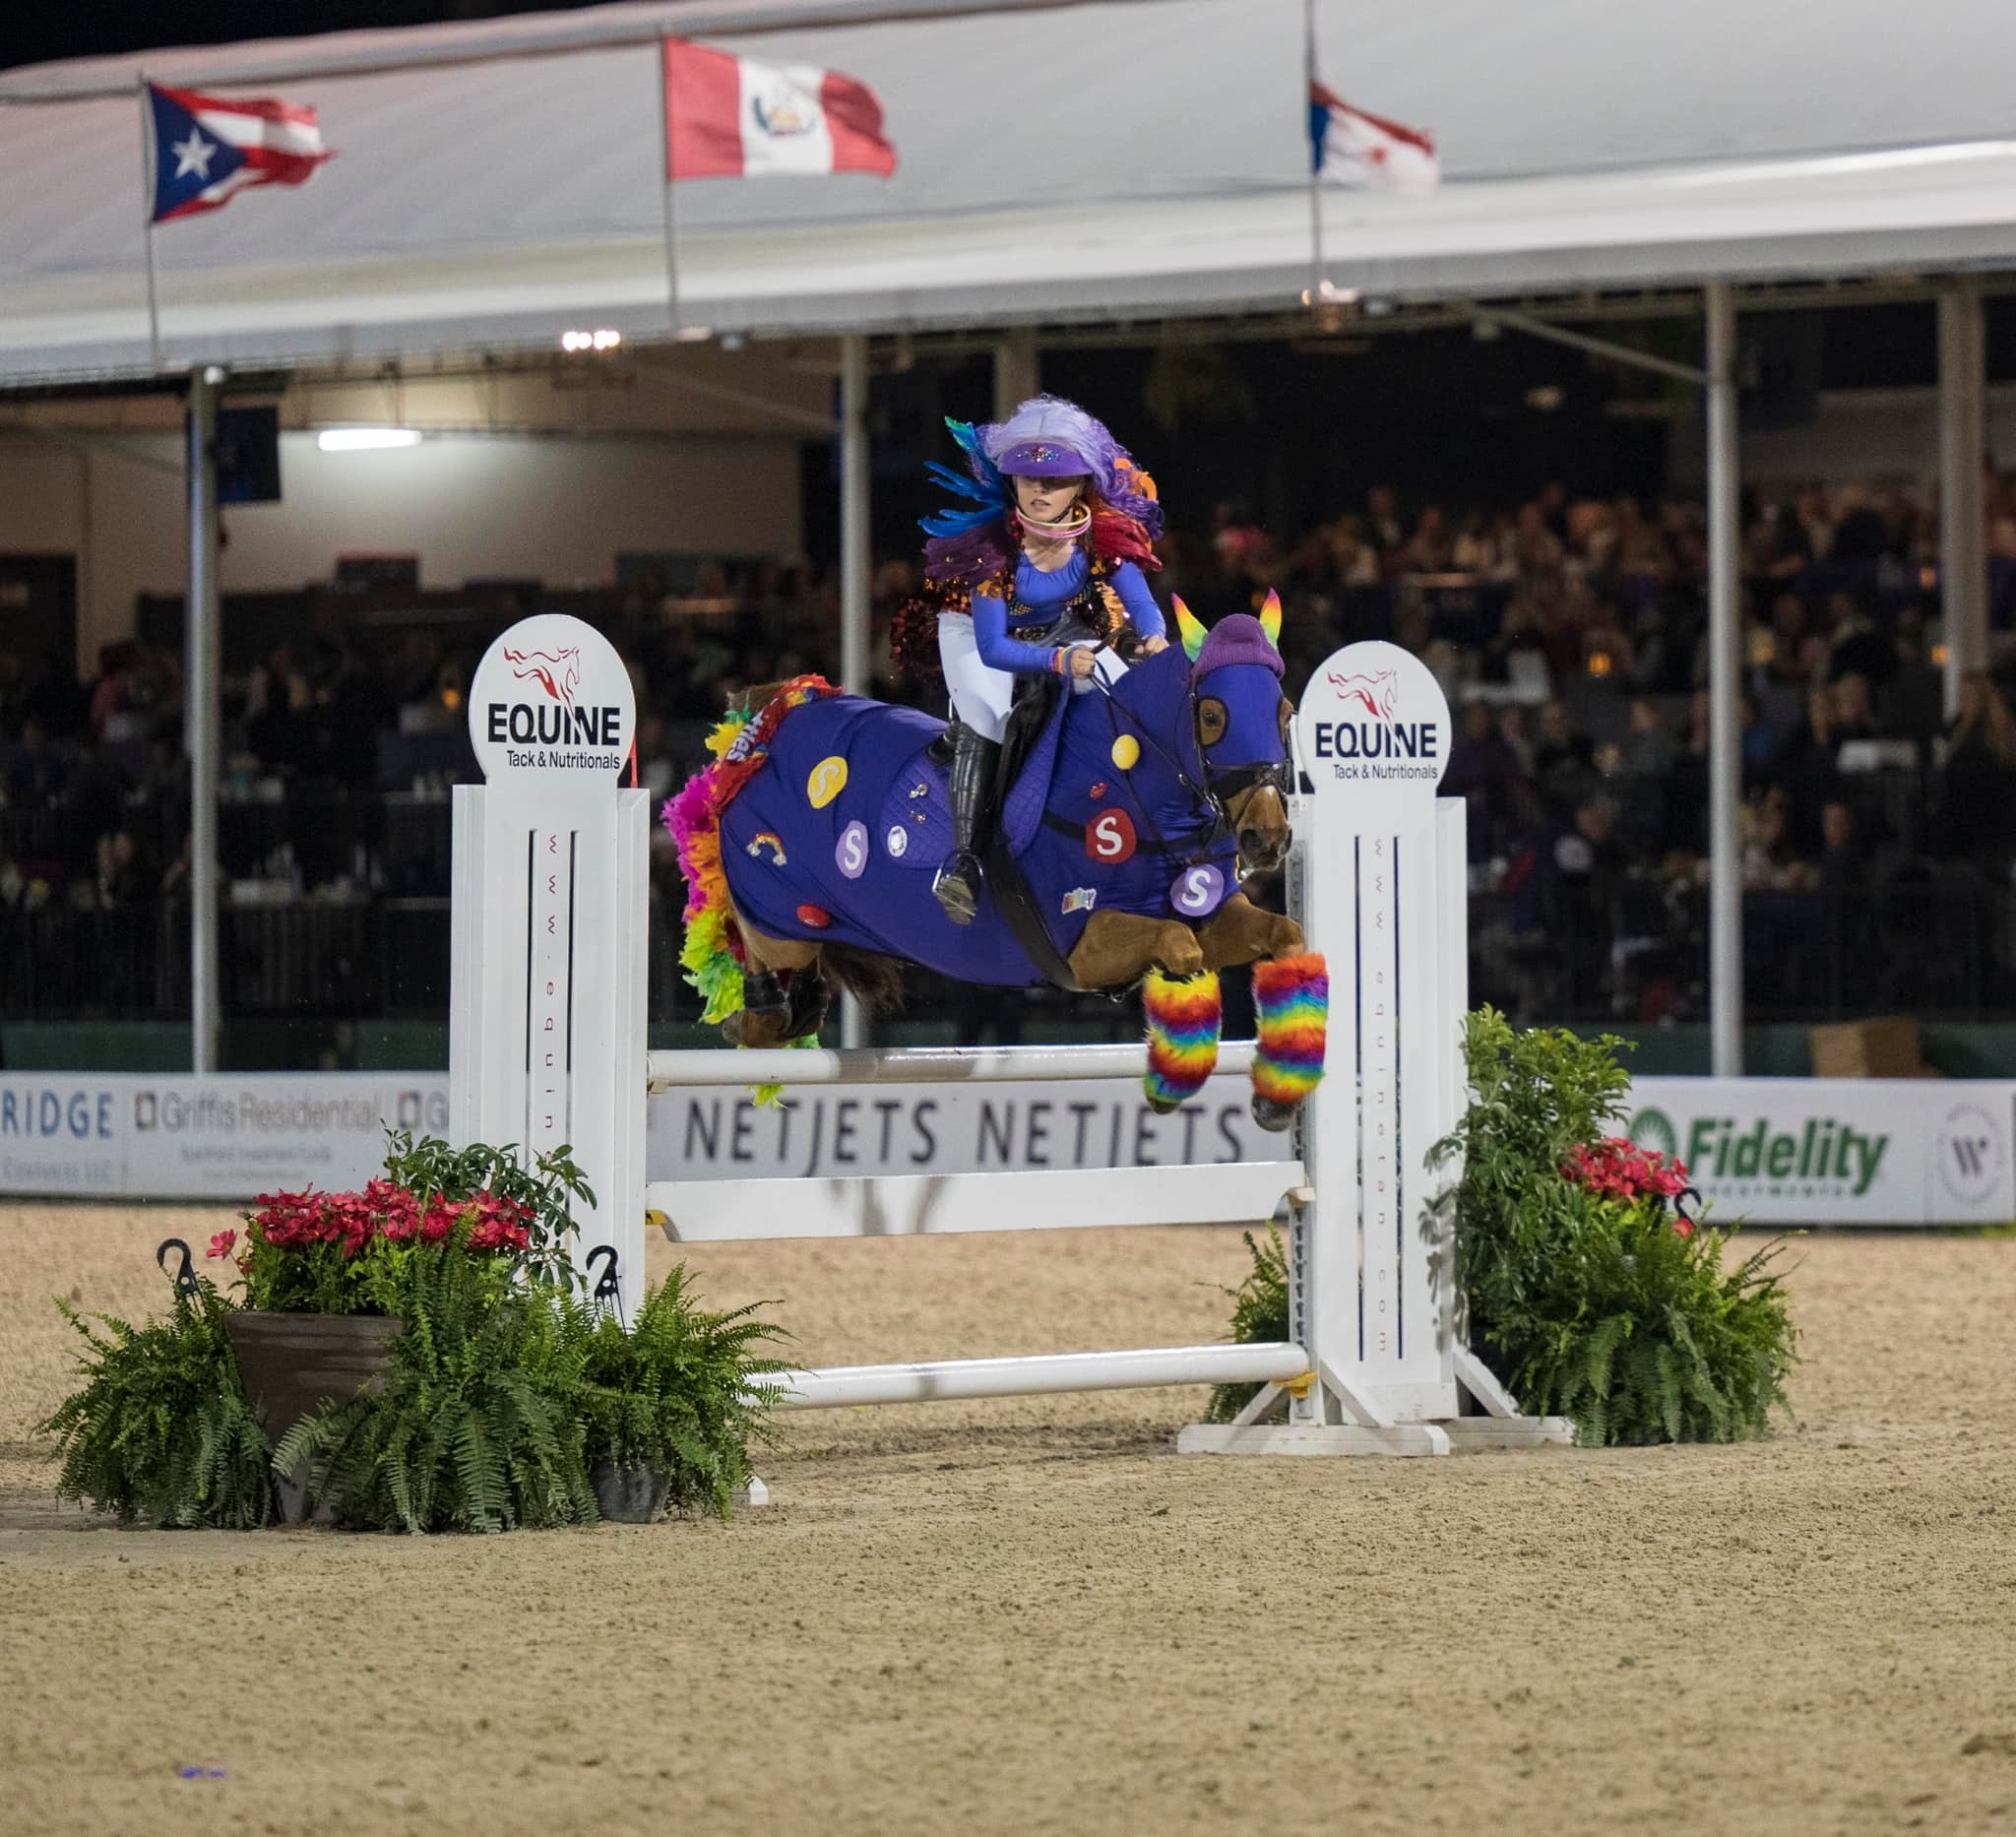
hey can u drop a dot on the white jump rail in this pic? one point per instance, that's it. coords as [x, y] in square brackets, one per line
[549, 919]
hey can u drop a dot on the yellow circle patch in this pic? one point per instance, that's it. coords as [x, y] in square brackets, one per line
[828, 779]
[1126, 752]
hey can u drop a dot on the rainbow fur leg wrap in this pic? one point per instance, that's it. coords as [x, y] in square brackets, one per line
[1183, 1013]
[1292, 1005]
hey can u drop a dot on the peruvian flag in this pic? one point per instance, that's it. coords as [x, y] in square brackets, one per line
[206, 151]
[730, 118]
[1351, 148]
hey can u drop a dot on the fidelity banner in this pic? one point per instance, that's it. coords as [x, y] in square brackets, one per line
[1838, 1151]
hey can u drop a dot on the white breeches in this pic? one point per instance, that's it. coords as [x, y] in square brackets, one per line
[981, 695]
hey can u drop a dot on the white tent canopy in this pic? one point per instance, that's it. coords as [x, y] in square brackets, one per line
[498, 182]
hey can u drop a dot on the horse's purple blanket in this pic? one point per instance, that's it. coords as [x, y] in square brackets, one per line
[1108, 813]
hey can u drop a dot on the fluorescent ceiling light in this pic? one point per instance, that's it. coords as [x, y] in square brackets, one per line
[365, 439]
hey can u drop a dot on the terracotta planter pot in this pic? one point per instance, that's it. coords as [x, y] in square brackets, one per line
[630, 1495]
[291, 1363]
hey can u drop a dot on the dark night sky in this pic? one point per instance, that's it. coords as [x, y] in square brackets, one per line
[32, 33]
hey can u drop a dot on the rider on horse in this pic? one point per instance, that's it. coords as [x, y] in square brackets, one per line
[1040, 577]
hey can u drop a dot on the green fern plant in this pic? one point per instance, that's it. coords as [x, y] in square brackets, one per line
[1259, 1315]
[683, 1391]
[1611, 1312]
[473, 1429]
[160, 1433]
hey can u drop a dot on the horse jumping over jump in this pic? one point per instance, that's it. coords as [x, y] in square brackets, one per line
[1125, 831]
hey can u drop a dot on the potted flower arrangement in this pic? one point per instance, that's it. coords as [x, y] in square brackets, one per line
[325, 1274]
[1589, 1289]
[414, 1357]
[1587, 1285]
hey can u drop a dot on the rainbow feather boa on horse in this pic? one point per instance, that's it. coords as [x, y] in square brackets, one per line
[1126, 825]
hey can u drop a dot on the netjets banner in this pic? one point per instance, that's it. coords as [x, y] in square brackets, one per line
[717, 1132]
[1838, 1151]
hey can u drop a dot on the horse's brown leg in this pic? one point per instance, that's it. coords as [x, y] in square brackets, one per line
[1242, 932]
[1120, 948]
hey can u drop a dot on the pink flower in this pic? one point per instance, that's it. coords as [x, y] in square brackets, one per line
[224, 1243]
[1683, 1227]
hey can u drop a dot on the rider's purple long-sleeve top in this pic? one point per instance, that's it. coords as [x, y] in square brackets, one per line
[1040, 596]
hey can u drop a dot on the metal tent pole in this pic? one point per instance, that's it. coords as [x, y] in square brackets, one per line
[1963, 439]
[201, 701]
[855, 563]
[1725, 715]
[1016, 371]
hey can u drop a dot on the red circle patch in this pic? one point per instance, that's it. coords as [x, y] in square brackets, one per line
[1109, 838]
[815, 915]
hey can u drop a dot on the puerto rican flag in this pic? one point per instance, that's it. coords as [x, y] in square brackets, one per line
[206, 151]
[730, 118]
[1352, 148]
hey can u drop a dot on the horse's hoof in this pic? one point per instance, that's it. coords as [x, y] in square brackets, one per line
[808, 1002]
[1270, 1115]
[1162, 1105]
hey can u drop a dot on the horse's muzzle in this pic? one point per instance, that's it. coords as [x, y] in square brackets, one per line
[1263, 852]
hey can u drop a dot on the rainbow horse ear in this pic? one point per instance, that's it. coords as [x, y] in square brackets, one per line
[1187, 628]
[1270, 619]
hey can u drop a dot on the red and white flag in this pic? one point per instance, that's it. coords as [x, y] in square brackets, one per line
[730, 118]
[1351, 148]
[206, 149]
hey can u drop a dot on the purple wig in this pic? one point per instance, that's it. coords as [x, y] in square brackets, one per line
[1049, 437]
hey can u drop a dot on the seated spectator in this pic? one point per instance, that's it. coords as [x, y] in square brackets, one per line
[35, 773]
[1770, 864]
[1563, 760]
[1481, 771]
[1535, 548]
[1512, 730]
[1649, 748]
[1518, 635]
[1432, 549]
[1855, 716]
[1858, 649]
[1383, 527]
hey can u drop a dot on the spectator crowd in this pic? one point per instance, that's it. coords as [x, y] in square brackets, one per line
[1569, 633]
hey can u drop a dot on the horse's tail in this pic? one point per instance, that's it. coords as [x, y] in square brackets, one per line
[874, 979]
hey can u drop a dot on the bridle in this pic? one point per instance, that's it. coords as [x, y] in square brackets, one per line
[1218, 788]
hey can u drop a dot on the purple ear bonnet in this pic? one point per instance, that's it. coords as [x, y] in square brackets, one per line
[1238, 639]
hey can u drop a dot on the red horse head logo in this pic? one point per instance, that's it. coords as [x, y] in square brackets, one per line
[1379, 696]
[558, 672]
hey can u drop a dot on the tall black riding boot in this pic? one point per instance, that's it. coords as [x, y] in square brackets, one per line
[972, 785]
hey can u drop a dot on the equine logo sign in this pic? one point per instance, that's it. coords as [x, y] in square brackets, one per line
[1374, 719]
[551, 700]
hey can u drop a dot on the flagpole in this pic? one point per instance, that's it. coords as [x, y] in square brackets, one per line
[147, 191]
[1315, 156]
[665, 181]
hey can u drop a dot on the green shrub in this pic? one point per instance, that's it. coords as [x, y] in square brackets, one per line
[1608, 1310]
[682, 1391]
[160, 1432]
[1259, 1317]
[474, 1428]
